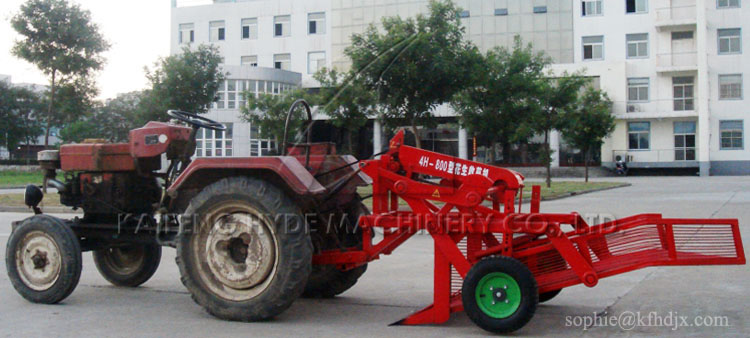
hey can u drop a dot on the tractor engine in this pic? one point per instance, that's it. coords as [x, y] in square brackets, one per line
[108, 180]
[111, 193]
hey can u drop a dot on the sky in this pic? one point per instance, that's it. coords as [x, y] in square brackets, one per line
[138, 31]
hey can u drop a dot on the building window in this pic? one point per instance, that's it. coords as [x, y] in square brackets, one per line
[638, 89]
[316, 23]
[684, 141]
[591, 7]
[315, 61]
[281, 25]
[540, 9]
[636, 6]
[683, 93]
[258, 145]
[187, 33]
[232, 94]
[728, 4]
[501, 11]
[464, 14]
[639, 135]
[593, 47]
[250, 29]
[683, 35]
[637, 45]
[214, 143]
[249, 60]
[731, 135]
[730, 41]
[730, 87]
[217, 31]
[282, 61]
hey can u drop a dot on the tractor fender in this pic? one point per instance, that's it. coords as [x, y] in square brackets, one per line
[289, 170]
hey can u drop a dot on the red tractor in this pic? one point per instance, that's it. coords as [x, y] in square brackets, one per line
[245, 229]
[254, 234]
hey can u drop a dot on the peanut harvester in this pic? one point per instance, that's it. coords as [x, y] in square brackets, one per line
[255, 233]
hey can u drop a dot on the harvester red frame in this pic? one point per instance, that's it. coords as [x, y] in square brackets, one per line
[465, 229]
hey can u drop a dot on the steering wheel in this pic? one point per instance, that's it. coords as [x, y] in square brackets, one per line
[196, 120]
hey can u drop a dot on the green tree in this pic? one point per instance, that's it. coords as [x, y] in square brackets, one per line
[60, 39]
[111, 120]
[187, 81]
[556, 96]
[121, 115]
[345, 99]
[414, 64]
[589, 123]
[268, 112]
[74, 99]
[18, 107]
[496, 108]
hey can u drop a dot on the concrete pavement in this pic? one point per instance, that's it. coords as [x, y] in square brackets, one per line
[401, 283]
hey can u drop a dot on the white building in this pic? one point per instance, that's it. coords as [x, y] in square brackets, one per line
[673, 68]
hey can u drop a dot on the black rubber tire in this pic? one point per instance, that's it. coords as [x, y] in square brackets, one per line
[111, 268]
[546, 296]
[293, 257]
[328, 281]
[526, 282]
[70, 259]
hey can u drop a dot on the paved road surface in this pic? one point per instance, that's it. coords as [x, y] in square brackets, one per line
[401, 283]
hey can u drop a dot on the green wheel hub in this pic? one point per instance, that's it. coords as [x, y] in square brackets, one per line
[498, 295]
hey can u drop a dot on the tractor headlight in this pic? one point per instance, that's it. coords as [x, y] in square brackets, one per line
[32, 196]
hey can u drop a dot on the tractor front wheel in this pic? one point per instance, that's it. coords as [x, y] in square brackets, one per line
[500, 294]
[43, 258]
[130, 265]
[245, 253]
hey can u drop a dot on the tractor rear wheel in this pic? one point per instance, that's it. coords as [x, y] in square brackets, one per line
[43, 258]
[245, 253]
[328, 281]
[500, 294]
[129, 265]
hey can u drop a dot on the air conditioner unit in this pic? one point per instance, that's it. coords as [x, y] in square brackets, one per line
[632, 108]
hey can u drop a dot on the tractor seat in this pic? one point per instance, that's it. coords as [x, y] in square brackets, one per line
[96, 157]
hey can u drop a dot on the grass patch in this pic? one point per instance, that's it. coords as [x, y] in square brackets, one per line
[16, 200]
[14, 179]
[558, 189]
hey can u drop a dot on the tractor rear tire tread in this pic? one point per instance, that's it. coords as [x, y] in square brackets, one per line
[332, 282]
[294, 251]
[327, 281]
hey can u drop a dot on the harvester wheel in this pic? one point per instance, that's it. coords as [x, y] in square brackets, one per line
[546, 296]
[43, 258]
[328, 281]
[244, 253]
[500, 294]
[129, 265]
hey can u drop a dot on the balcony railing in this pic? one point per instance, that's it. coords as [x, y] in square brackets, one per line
[654, 108]
[677, 59]
[642, 158]
[676, 14]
